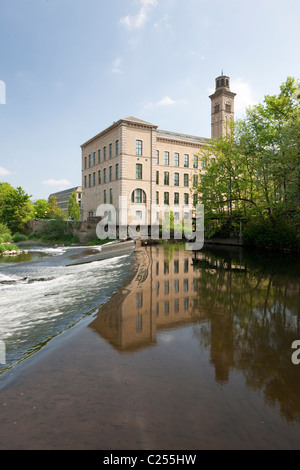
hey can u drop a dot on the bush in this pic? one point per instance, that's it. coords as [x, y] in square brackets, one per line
[265, 235]
[54, 231]
[19, 237]
[4, 229]
[9, 247]
[5, 237]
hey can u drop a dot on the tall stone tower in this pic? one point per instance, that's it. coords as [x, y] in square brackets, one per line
[222, 107]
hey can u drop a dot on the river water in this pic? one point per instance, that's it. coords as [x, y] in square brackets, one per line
[49, 290]
[196, 353]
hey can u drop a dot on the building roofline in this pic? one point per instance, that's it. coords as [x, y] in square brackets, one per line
[128, 120]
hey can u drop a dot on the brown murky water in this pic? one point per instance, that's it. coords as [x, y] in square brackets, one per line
[195, 353]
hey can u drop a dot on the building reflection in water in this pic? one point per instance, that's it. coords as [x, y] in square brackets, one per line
[162, 295]
[244, 310]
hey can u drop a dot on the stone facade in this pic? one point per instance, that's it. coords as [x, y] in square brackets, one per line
[134, 164]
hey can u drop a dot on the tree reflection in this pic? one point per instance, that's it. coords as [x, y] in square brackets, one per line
[252, 304]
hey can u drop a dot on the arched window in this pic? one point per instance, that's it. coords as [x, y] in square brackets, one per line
[138, 197]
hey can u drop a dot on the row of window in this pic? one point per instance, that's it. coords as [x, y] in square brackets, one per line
[186, 305]
[176, 161]
[98, 177]
[94, 159]
[176, 201]
[139, 197]
[166, 266]
[167, 308]
[176, 287]
[186, 179]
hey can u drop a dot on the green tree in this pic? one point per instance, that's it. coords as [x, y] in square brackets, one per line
[54, 211]
[254, 172]
[73, 207]
[16, 207]
[42, 209]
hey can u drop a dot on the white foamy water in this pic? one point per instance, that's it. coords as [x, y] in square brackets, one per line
[39, 299]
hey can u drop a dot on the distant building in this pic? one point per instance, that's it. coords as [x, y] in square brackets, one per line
[62, 197]
[134, 161]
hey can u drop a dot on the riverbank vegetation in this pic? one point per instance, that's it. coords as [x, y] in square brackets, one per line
[251, 177]
[6, 244]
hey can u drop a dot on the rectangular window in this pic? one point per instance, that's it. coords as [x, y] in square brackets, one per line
[85, 163]
[99, 156]
[186, 180]
[176, 198]
[99, 177]
[90, 181]
[176, 266]
[176, 286]
[195, 163]
[94, 179]
[195, 199]
[94, 158]
[110, 173]
[139, 147]
[110, 150]
[104, 175]
[186, 199]
[85, 181]
[166, 158]
[195, 181]
[157, 177]
[176, 159]
[166, 178]
[139, 171]
[111, 200]
[90, 161]
[104, 196]
[117, 171]
[138, 214]
[186, 265]
[157, 197]
[157, 157]
[117, 148]
[166, 199]
[204, 163]
[176, 179]
[186, 161]
[104, 154]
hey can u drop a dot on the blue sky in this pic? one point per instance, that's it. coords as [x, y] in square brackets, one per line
[73, 67]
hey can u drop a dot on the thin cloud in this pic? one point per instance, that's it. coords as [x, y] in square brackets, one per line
[116, 68]
[4, 172]
[166, 101]
[61, 183]
[139, 20]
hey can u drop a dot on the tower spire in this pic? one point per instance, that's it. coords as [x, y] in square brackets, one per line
[222, 107]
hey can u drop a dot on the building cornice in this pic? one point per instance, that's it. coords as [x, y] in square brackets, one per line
[133, 122]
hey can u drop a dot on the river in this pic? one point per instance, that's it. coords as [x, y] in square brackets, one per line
[195, 353]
